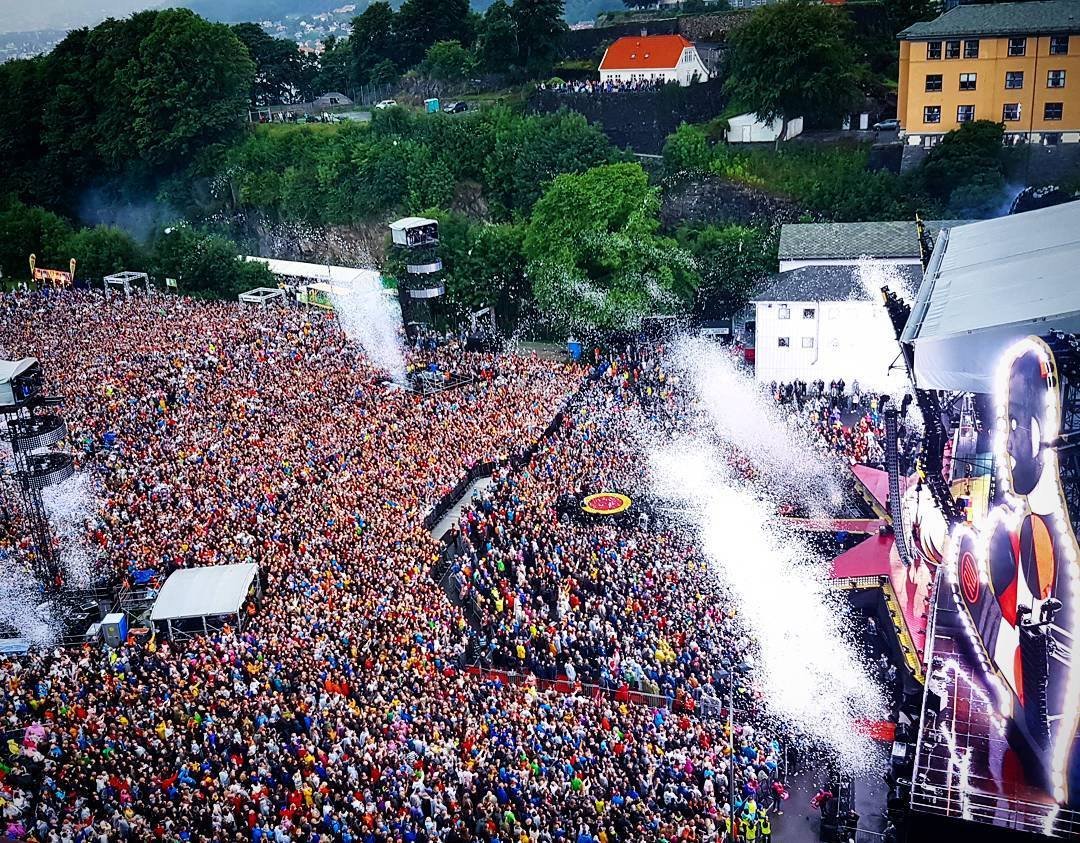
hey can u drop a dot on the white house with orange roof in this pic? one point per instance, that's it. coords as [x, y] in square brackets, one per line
[653, 58]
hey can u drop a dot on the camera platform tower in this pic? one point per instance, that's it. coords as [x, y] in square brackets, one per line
[31, 427]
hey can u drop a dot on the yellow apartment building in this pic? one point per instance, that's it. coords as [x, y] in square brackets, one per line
[1014, 63]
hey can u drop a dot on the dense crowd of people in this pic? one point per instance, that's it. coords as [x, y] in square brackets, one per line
[597, 87]
[347, 709]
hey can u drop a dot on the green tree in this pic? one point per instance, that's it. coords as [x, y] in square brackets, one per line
[448, 61]
[968, 168]
[336, 68]
[794, 59]
[206, 264]
[26, 230]
[421, 23]
[281, 74]
[687, 148]
[594, 257]
[731, 261]
[372, 40]
[101, 251]
[190, 82]
[539, 25]
[529, 152]
[496, 38]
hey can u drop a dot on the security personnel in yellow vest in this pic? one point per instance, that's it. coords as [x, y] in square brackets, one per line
[750, 834]
[727, 829]
[764, 828]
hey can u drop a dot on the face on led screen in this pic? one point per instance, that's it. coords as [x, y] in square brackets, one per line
[1014, 575]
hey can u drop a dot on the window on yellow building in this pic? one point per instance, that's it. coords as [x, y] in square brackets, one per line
[1055, 79]
[1014, 79]
[1053, 110]
[1010, 112]
[933, 50]
[952, 49]
[931, 114]
[1059, 45]
[933, 82]
[971, 49]
[967, 81]
[1017, 46]
[965, 113]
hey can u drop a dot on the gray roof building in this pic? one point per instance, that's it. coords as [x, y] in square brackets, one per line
[854, 240]
[831, 283]
[1037, 17]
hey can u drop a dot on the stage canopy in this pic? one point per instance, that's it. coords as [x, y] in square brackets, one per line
[204, 592]
[989, 284]
[340, 275]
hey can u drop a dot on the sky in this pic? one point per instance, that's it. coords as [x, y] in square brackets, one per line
[30, 15]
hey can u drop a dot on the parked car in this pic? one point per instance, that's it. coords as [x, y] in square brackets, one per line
[379, 106]
[455, 107]
[890, 125]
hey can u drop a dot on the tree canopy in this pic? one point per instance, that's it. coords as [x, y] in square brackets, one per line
[594, 257]
[793, 59]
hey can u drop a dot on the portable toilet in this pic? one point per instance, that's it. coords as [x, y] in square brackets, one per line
[574, 348]
[432, 106]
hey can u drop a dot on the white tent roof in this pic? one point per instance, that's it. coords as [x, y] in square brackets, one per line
[344, 275]
[410, 222]
[988, 284]
[200, 592]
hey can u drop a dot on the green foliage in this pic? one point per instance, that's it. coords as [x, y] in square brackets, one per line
[101, 251]
[687, 148]
[731, 261]
[206, 264]
[372, 40]
[497, 38]
[483, 264]
[528, 152]
[594, 257]
[968, 168]
[188, 87]
[831, 181]
[403, 162]
[448, 61]
[795, 59]
[421, 23]
[282, 72]
[26, 230]
[135, 98]
[539, 25]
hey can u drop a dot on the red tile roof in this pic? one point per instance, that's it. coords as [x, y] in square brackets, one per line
[645, 52]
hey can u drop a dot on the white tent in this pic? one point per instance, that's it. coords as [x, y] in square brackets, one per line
[205, 595]
[324, 272]
[747, 128]
[989, 284]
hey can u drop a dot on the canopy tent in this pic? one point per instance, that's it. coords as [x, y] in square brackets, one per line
[124, 280]
[205, 595]
[262, 295]
[326, 273]
[989, 284]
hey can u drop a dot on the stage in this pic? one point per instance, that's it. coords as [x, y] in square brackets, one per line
[965, 767]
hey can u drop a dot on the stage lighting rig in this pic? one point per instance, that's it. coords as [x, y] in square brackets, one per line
[31, 429]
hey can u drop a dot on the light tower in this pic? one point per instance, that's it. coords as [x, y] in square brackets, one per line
[32, 427]
[421, 286]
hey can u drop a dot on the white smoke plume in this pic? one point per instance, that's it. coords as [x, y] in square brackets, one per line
[810, 675]
[71, 507]
[741, 416]
[369, 319]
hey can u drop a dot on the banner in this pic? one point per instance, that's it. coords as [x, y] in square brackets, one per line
[56, 277]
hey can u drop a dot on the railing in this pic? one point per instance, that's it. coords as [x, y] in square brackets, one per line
[1001, 811]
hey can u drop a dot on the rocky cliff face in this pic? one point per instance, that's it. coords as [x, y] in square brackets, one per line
[713, 200]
